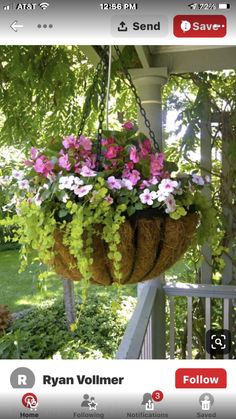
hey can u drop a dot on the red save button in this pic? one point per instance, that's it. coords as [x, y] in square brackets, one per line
[200, 378]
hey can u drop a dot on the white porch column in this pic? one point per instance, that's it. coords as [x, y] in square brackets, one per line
[149, 84]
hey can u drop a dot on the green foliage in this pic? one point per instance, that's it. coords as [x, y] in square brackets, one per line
[42, 333]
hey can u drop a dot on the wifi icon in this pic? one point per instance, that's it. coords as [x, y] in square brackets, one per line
[43, 6]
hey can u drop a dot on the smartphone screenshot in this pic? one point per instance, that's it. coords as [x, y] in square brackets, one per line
[118, 209]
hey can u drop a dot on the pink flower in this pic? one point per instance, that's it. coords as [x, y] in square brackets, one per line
[85, 143]
[87, 172]
[109, 199]
[34, 153]
[113, 151]
[128, 125]
[133, 176]
[145, 147]
[82, 190]
[144, 184]
[70, 142]
[134, 157]
[63, 161]
[43, 166]
[39, 164]
[154, 180]
[107, 141]
[198, 179]
[147, 197]
[114, 183]
[157, 161]
[170, 204]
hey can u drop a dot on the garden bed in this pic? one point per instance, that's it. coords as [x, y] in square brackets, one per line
[98, 334]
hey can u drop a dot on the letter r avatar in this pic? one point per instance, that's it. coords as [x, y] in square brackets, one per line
[22, 380]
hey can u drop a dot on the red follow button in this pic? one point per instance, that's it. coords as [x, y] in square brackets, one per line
[200, 26]
[200, 378]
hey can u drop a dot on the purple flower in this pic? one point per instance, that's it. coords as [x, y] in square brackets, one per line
[147, 197]
[198, 179]
[114, 183]
[82, 190]
[87, 172]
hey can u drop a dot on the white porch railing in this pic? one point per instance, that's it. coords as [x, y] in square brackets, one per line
[145, 336]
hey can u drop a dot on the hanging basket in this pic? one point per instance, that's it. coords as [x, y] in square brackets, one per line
[149, 246]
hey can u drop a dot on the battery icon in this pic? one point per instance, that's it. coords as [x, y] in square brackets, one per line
[224, 6]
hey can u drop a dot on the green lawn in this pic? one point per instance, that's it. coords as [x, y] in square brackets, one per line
[20, 291]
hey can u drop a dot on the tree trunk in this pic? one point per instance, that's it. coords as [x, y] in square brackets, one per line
[69, 301]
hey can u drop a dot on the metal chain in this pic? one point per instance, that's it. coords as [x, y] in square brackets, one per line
[102, 105]
[87, 103]
[138, 100]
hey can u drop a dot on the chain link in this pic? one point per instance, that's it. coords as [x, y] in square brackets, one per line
[87, 103]
[102, 104]
[138, 100]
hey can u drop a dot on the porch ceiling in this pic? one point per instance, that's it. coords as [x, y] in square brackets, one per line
[178, 59]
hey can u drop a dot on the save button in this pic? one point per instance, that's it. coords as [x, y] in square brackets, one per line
[200, 378]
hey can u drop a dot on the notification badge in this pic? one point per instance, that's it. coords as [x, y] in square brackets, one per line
[200, 26]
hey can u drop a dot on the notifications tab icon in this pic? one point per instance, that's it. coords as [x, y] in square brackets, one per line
[200, 26]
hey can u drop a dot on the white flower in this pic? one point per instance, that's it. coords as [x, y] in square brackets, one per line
[24, 184]
[37, 200]
[18, 174]
[147, 197]
[126, 183]
[178, 190]
[66, 182]
[78, 181]
[83, 190]
[167, 186]
[170, 204]
[65, 198]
